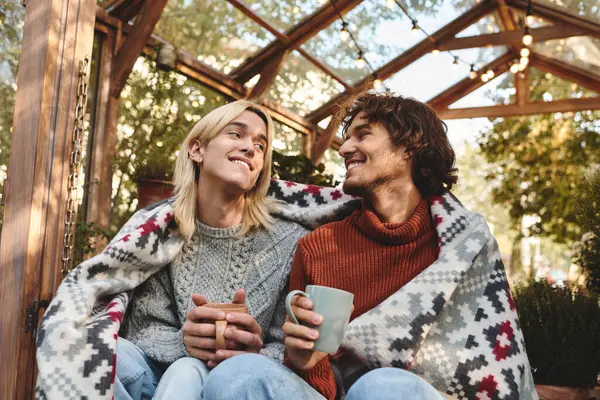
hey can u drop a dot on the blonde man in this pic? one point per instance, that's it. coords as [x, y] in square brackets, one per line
[235, 250]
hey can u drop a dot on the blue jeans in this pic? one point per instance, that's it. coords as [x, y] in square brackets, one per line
[252, 376]
[139, 377]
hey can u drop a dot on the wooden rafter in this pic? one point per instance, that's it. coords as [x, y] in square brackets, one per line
[511, 38]
[135, 43]
[506, 19]
[514, 110]
[127, 10]
[569, 72]
[267, 76]
[106, 4]
[467, 85]
[409, 56]
[285, 40]
[522, 87]
[299, 34]
[323, 141]
[558, 16]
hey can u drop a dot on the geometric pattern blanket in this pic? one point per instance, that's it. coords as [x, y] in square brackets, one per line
[454, 324]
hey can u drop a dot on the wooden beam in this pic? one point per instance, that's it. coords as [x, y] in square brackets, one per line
[102, 142]
[106, 4]
[299, 34]
[508, 24]
[558, 15]
[323, 141]
[240, 5]
[467, 85]
[566, 71]
[522, 87]
[514, 110]
[57, 35]
[135, 43]
[409, 56]
[512, 38]
[267, 76]
[128, 9]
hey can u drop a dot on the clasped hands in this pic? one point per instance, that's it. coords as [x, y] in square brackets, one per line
[243, 334]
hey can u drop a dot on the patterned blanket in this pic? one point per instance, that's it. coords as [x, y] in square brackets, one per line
[454, 324]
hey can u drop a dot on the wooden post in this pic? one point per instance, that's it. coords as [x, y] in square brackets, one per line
[57, 34]
[103, 141]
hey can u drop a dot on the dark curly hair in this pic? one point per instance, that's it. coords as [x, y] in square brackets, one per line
[416, 126]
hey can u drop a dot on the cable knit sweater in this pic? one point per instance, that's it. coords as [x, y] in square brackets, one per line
[364, 256]
[215, 263]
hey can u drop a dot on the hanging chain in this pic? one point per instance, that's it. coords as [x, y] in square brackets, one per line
[75, 166]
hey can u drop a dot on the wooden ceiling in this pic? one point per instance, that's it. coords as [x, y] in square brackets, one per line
[137, 38]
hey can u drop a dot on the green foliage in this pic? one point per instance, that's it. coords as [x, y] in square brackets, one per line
[561, 328]
[587, 250]
[298, 168]
[540, 158]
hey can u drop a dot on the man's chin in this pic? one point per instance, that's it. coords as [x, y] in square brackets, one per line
[353, 188]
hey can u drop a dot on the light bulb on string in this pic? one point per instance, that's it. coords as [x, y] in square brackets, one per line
[435, 51]
[484, 77]
[377, 84]
[530, 19]
[360, 61]
[525, 52]
[514, 68]
[415, 27]
[389, 3]
[344, 34]
[524, 61]
[527, 38]
[472, 73]
[490, 73]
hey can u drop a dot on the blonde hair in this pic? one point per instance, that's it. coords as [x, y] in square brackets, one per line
[256, 205]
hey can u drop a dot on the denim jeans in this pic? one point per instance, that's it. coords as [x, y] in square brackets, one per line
[140, 378]
[252, 376]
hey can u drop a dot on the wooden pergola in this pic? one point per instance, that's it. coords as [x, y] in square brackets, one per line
[58, 34]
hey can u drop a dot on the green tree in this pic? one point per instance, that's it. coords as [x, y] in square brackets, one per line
[540, 159]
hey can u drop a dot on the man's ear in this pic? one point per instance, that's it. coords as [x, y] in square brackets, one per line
[196, 152]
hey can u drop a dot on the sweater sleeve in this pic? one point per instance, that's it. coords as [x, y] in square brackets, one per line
[320, 377]
[152, 323]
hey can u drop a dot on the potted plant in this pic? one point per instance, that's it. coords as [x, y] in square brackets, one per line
[153, 175]
[561, 327]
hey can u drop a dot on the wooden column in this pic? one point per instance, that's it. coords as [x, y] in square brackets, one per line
[103, 141]
[57, 34]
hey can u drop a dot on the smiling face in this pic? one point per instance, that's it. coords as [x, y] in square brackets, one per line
[235, 157]
[372, 161]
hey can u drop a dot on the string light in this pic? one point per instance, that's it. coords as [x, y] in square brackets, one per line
[527, 38]
[435, 51]
[514, 68]
[525, 52]
[484, 77]
[389, 3]
[377, 83]
[490, 73]
[415, 27]
[360, 61]
[472, 73]
[529, 19]
[524, 61]
[344, 34]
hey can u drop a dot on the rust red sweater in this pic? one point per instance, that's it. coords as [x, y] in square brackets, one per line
[364, 256]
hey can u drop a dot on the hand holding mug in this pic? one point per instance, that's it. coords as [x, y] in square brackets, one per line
[299, 339]
[316, 324]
